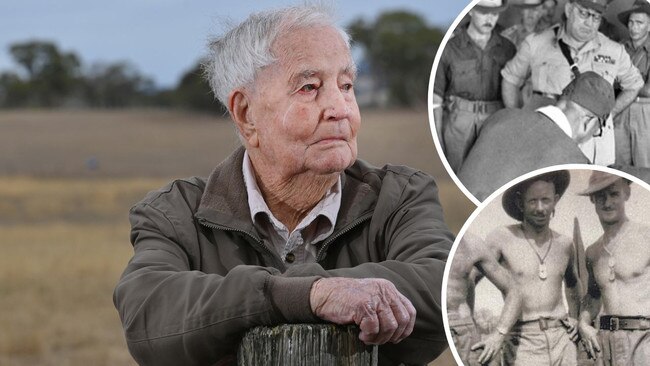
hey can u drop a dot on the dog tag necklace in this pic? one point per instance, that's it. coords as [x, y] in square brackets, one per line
[542, 273]
[611, 262]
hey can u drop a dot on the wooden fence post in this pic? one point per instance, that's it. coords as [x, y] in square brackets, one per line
[305, 344]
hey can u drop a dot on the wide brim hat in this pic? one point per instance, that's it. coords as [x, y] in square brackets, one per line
[560, 179]
[597, 5]
[528, 4]
[640, 6]
[491, 6]
[599, 181]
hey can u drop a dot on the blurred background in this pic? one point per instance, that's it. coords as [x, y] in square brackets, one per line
[101, 102]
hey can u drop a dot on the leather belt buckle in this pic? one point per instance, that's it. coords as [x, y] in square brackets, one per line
[543, 324]
[614, 323]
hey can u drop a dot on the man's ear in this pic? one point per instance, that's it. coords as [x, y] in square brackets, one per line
[238, 105]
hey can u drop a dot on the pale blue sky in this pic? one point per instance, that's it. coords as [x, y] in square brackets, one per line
[162, 38]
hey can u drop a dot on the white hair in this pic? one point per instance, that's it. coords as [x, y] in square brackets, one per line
[235, 57]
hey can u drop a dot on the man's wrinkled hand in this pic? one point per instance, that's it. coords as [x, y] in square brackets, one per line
[589, 336]
[491, 347]
[381, 312]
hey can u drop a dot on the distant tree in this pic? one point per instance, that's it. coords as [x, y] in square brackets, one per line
[14, 91]
[400, 49]
[117, 84]
[51, 75]
[194, 92]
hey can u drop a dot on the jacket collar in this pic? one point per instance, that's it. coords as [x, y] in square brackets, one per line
[225, 202]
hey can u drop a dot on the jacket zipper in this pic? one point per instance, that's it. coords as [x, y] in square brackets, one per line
[257, 241]
[347, 229]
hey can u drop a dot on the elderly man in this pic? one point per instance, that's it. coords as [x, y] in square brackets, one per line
[468, 82]
[514, 141]
[618, 264]
[632, 126]
[472, 261]
[291, 228]
[540, 260]
[552, 59]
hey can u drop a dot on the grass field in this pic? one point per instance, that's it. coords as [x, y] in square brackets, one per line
[64, 229]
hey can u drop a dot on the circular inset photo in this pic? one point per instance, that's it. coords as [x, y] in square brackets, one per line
[553, 269]
[526, 84]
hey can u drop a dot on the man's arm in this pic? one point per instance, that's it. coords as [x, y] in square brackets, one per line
[590, 307]
[644, 92]
[414, 243]
[510, 94]
[501, 278]
[174, 315]
[630, 80]
[573, 291]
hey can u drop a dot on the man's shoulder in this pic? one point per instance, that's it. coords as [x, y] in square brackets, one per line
[365, 172]
[187, 191]
[561, 238]
[499, 234]
[639, 229]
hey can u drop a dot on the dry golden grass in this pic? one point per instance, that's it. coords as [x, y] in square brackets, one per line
[64, 229]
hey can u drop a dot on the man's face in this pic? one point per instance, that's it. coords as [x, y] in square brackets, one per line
[531, 16]
[549, 9]
[303, 106]
[587, 125]
[538, 203]
[610, 202]
[483, 22]
[638, 25]
[582, 23]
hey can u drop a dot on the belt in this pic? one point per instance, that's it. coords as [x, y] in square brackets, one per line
[538, 324]
[476, 106]
[611, 322]
[547, 95]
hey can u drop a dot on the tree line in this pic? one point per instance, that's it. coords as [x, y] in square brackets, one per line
[399, 49]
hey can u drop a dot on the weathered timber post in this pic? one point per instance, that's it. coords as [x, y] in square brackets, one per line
[305, 345]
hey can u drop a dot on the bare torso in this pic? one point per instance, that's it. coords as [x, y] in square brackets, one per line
[542, 297]
[625, 291]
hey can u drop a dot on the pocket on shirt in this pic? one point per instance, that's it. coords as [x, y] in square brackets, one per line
[465, 74]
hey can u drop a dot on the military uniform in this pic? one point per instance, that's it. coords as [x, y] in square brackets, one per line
[541, 58]
[468, 79]
[632, 126]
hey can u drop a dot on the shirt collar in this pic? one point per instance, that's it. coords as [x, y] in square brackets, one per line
[556, 115]
[630, 46]
[466, 40]
[327, 207]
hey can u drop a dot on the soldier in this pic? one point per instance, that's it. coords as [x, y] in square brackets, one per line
[540, 261]
[632, 126]
[531, 14]
[471, 262]
[618, 264]
[468, 80]
[514, 141]
[541, 56]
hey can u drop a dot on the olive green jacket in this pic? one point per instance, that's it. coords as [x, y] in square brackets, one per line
[201, 275]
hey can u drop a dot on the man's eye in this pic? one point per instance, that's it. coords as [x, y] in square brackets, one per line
[308, 88]
[346, 87]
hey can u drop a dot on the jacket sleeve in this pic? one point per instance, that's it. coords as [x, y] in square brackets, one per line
[173, 315]
[416, 240]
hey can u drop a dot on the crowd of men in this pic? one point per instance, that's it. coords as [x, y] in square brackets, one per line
[486, 67]
[539, 270]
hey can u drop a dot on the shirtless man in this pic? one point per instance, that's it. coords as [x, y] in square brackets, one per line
[471, 262]
[540, 260]
[618, 265]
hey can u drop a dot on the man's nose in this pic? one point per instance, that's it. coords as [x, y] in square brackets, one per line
[335, 104]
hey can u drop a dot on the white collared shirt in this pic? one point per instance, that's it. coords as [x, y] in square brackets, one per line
[556, 115]
[301, 244]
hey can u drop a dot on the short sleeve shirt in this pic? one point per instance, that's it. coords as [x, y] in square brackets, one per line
[540, 58]
[467, 71]
[640, 57]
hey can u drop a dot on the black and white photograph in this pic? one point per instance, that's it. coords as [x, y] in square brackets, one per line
[526, 84]
[553, 270]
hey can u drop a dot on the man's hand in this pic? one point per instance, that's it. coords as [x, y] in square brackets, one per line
[491, 346]
[571, 326]
[589, 336]
[375, 305]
